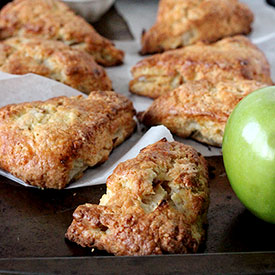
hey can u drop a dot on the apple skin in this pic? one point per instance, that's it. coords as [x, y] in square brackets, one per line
[249, 152]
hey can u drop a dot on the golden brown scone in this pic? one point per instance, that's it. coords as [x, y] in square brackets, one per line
[232, 58]
[199, 109]
[47, 144]
[55, 60]
[184, 22]
[155, 203]
[52, 19]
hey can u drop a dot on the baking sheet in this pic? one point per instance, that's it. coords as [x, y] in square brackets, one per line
[235, 263]
[34, 222]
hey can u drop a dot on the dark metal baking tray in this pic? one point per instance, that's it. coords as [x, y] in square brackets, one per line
[33, 224]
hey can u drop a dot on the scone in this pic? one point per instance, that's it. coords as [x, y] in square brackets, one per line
[185, 22]
[55, 60]
[155, 203]
[48, 144]
[232, 58]
[52, 19]
[199, 109]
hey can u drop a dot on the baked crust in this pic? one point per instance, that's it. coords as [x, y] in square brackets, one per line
[199, 109]
[185, 22]
[155, 203]
[47, 144]
[55, 60]
[52, 19]
[232, 58]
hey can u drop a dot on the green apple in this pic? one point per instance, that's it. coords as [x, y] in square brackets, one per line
[249, 152]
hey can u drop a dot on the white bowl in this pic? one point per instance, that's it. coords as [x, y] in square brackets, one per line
[91, 10]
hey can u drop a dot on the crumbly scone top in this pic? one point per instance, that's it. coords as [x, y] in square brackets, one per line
[53, 19]
[155, 203]
[42, 142]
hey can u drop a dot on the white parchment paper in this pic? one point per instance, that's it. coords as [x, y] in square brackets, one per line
[17, 89]
[140, 14]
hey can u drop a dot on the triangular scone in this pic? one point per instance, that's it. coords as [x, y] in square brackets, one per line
[155, 203]
[232, 58]
[185, 22]
[48, 144]
[52, 19]
[55, 60]
[199, 109]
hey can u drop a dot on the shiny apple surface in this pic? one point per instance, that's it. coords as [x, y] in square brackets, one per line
[249, 152]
